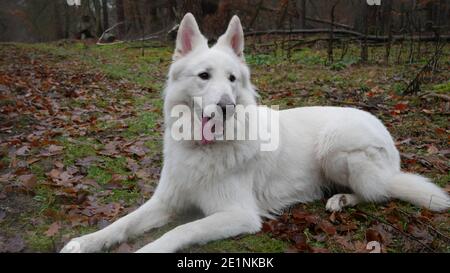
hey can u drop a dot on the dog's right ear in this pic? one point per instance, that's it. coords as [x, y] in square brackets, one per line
[188, 37]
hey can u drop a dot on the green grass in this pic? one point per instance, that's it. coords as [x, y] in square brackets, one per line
[38, 171]
[257, 243]
[37, 241]
[442, 88]
[100, 175]
[129, 197]
[142, 124]
[46, 198]
[308, 56]
[78, 148]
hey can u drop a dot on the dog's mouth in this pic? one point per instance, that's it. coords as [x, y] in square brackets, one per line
[207, 134]
[214, 122]
[211, 129]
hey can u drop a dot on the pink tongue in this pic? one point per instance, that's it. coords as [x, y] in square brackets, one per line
[207, 135]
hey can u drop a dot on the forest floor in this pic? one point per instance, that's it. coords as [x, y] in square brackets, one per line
[81, 130]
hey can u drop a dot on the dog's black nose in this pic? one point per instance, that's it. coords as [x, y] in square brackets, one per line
[227, 106]
[227, 109]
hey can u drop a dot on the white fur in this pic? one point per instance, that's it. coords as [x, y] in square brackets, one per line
[233, 183]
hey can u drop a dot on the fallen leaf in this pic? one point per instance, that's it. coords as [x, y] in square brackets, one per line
[28, 180]
[432, 150]
[54, 174]
[319, 250]
[23, 151]
[53, 229]
[59, 164]
[400, 106]
[300, 242]
[54, 149]
[327, 227]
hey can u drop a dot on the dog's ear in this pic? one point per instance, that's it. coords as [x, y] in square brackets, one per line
[234, 37]
[188, 37]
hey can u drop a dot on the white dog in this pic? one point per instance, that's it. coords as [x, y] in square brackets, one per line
[234, 183]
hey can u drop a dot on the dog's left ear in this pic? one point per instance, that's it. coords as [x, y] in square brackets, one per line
[234, 37]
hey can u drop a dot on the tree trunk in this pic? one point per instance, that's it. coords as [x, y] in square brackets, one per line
[67, 21]
[57, 17]
[387, 15]
[105, 13]
[98, 17]
[330, 42]
[120, 17]
[301, 9]
[284, 6]
[365, 26]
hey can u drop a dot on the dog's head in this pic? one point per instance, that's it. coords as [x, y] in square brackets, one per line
[202, 77]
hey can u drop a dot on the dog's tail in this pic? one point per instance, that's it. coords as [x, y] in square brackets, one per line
[418, 190]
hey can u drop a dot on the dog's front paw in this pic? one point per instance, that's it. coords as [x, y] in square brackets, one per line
[74, 246]
[82, 245]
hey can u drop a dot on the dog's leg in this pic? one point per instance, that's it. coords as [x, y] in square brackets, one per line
[367, 173]
[152, 214]
[216, 226]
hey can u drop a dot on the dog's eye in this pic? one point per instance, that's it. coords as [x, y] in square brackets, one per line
[232, 78]
[204, 76]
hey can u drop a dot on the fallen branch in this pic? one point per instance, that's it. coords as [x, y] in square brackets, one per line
[345, 32]
[407, 235]
[434, 95]
[106, 31]
[153, 36]
[429, 226]
[329, 23]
